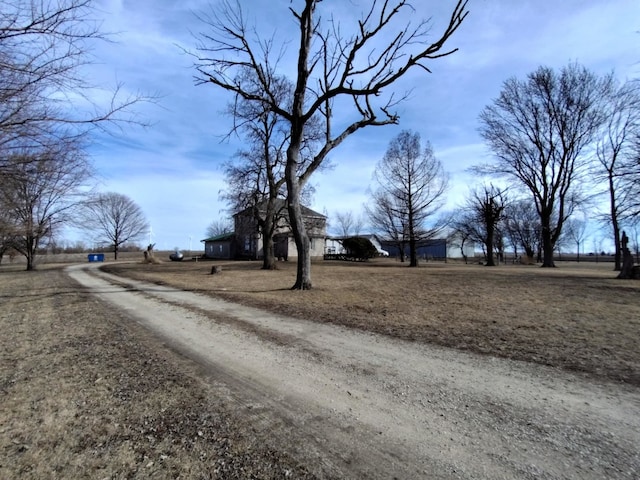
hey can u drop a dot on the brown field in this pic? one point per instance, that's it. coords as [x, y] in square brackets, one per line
[577, 317]
[86, 393]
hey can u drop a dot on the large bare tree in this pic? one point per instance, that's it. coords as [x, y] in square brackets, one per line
[255, 176]
[115, 219]
[409, 188]
[538, 130]
[358, 68]
[40, 191]
[255, 179]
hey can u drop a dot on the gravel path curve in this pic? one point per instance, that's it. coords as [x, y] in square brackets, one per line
[358, 405]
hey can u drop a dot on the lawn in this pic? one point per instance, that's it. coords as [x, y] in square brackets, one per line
[86, 393]
[577, 317]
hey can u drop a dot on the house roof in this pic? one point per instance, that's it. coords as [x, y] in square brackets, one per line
[281, 204]
[220, 238]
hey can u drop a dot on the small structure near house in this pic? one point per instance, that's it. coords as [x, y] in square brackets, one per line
[220, 247]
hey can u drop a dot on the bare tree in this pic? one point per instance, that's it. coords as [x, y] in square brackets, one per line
[575, 230]
[349, 224]
[330, 68]
[410, 186]
[43, 46]
[382, 213]
[255, 177]
[631, 180]
[40, 191]
[635, 242]
[522, 227]
[615, 156]
[538, 130]
[7, 230]
[465, 228]
[486, 207]
[344, 221]
[219, 227]
[115, 219]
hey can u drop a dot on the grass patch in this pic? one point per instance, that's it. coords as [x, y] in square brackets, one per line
[576, 317]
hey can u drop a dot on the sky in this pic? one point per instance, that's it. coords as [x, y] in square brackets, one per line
[173, 167]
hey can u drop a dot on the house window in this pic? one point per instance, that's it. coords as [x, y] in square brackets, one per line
[247, 244]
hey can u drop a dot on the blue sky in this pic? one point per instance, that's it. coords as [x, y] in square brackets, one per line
[172, 168]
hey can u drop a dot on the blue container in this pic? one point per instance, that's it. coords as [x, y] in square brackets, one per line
[96, 257]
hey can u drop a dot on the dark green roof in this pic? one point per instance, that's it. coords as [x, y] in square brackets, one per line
[220, 238]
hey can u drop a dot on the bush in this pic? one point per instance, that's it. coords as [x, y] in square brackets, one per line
[359, 247]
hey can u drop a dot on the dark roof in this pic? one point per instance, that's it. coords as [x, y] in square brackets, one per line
[281, 204]
[220, 238]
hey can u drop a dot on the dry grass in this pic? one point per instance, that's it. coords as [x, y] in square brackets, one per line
[577, 317]
[87, 394]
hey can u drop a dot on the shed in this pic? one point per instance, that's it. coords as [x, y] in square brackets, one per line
[220, 247]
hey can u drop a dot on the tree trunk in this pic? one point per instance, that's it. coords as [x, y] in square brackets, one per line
[401, 246]
[462, 252]
[413, 255]
[31, 254]
[618, 255]
[303, 275]
[547, 245]
[490, 262]
[268, 254]
[616, 228]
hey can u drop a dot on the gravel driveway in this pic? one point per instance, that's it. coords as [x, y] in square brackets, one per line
[360, 405]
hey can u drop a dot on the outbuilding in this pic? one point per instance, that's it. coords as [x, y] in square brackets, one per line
[220, 247]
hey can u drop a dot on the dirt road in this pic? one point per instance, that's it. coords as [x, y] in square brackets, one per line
[358, 405]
